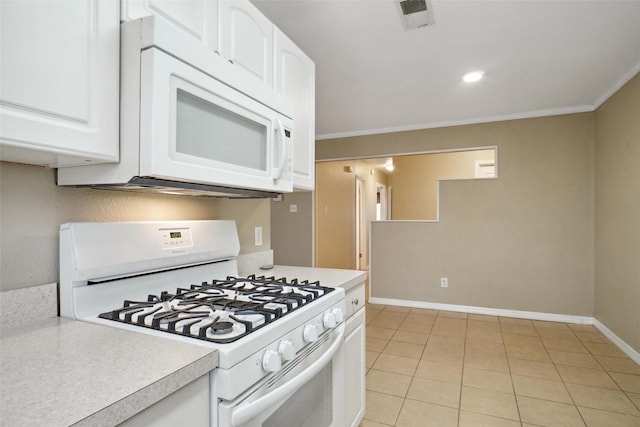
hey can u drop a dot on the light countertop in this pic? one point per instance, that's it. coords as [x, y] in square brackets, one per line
[61, 372]
[331, 277]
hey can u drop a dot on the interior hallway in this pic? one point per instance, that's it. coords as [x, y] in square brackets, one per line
[439, 368]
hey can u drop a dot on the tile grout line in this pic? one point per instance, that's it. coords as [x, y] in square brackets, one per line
[539, 336]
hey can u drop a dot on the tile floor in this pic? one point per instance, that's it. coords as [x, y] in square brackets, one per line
[437, 368]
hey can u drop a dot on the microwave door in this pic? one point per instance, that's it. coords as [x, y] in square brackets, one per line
[195, 128]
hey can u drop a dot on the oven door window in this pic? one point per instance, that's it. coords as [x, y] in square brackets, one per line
[310, 406]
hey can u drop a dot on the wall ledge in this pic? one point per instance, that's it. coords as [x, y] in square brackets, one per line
[531, 315]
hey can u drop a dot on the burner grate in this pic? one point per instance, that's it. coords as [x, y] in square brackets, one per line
[222, 311]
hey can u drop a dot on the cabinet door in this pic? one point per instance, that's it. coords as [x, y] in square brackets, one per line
[246, 39]
[59, 87]
[354, 367]
[295, 78]
[198, 18]
[189, 406]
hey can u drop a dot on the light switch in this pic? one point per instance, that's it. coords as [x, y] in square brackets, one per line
[258, 236]
[293, 208]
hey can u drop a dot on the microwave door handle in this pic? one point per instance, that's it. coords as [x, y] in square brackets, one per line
[278, 171]
[249, 410]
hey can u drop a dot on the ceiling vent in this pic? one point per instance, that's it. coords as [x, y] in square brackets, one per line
[415, 13]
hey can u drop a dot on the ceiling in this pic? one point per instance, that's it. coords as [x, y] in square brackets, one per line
[540, 57]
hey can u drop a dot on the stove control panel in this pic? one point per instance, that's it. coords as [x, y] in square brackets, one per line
[174, 238]
[302, 333]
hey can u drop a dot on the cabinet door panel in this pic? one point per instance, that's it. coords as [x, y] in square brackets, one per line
[246, 39]
[199, 18]
[354, 369]
[32, 61]
[295, 79]
[59, 81]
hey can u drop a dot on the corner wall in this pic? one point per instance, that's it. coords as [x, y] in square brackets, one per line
[522, 242]
[617, 213]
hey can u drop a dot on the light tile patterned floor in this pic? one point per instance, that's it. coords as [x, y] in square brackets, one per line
[437, 368]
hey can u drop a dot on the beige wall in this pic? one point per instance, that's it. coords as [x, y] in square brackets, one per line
[336, 211]
[32, 208]
[292, 232]
[617, 274]
[415, 180]
[522, 242]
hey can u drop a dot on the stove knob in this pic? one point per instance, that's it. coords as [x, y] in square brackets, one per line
[329, 320]
[271, 361]
[287, 350]
[310, 333]
[337, 313]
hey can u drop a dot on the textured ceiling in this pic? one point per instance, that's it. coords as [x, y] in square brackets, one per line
[540, 57]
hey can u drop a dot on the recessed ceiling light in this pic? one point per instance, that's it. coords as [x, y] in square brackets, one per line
[473, 76]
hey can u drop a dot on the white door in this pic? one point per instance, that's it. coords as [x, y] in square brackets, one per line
[361, 224]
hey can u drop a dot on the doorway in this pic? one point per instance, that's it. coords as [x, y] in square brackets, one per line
[361, 224]
[381, 202]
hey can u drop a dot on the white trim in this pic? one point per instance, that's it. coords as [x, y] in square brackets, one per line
[626, 348]
[551, 317]
[623, 81]
[532, 315]
[450, 123]
[413, 153]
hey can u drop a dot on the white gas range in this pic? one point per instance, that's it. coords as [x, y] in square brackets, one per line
[279, 340]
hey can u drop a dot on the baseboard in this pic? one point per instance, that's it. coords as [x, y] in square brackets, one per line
[532, 315]
[551, 317]
[626, 348]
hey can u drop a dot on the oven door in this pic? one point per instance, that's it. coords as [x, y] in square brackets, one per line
[195, 128]
[307, 392]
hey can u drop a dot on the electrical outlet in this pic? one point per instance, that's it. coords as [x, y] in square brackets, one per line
[258, 236]
[444, 282]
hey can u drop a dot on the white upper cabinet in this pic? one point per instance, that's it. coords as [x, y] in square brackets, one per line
[234, 29]
[246, 39]
[59, 87]
[198, 18]
[295, 78]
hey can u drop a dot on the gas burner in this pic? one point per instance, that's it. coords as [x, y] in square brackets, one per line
[222, 311]
[219, 328]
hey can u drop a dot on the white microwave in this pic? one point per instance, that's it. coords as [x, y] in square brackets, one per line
[189, 123]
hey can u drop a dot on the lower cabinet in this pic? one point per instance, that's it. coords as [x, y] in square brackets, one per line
[355, 368]
[189, 406]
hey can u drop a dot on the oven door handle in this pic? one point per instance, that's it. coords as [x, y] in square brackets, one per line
[249, 410]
